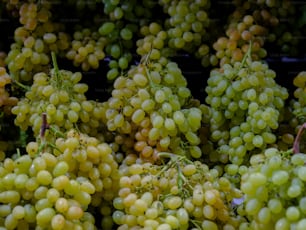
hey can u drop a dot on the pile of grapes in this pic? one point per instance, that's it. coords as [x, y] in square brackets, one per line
[152, 115]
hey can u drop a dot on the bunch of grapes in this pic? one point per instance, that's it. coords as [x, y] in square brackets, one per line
[58, 184]
[179, 194]
[152, 106]
[61, 96]
[34, 40]
[120, 28]
[184, 30]
[233, 47]
[154, 41]
[276, 17]
[273, 187]
[129, 11]
[119, 42]
[245, 105]
[87, 49]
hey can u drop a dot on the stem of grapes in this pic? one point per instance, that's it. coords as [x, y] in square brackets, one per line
[23, 138]
[56, 70]
[196, 223]
[247, 55]
[56, 132]
[24, 87]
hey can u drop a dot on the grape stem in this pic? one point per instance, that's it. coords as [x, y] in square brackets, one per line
[196, 223]
[174, 161]
[23, 138]
[147, 57]
[247, 55]
[56, 70]
[297, 140]
[56, 131]
[18, 152]
[152, 84]
[25, 87]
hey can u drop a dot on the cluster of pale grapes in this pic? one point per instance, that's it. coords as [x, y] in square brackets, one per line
[154, 41]
[120, 29]
[151, 105]
[34, 40]
[55, 187]
[273, 191]
[119, 40]
[129, 11]
[186, 25]
[277, 17]
[61, 96]
[184, 30]
[87, 49]
[232, 47]
[180, 194]
[246, 103]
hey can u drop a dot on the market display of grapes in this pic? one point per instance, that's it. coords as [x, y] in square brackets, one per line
[152, 115]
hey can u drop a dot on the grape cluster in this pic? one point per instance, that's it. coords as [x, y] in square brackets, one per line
[61, 96]
[178, 194]
[120, 29]
[87, 49]
[276, 17]
[245, 105]
[119, 40]
[187, 25]
[273, 188]
[151, 105]
[154, 41]
[56, 186]
[34, 40]
[130, 11]
[233, 47]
